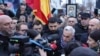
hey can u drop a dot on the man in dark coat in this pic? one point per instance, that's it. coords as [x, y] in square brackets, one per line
[81, 29]
[5, 32]
[52, 28]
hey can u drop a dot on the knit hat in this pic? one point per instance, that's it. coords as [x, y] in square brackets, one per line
[83, 51]
[95, 35]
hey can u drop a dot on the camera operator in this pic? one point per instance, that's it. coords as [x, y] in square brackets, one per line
[31, 49]
[5, 32]
[21, 29]
[36, 48]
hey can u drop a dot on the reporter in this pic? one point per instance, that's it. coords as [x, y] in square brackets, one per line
[34, 36]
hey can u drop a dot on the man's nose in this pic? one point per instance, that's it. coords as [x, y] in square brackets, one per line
[10, 25]
[53, 28]
[89, 27]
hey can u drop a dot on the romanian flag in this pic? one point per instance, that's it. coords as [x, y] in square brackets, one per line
[41, 9]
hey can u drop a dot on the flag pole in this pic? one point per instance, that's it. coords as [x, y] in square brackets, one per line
[3, 1]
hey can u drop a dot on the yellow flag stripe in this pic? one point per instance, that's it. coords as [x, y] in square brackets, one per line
[45, 7]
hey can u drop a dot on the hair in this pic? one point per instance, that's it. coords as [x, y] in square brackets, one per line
[70, 28]
[32, 16]
[32, 33]
[37, 22]
[24, 16]
[71, 46]
[19, 25]
[22, 4]
[52, 20]
[95, 35]
[80, 13]
[83, 51]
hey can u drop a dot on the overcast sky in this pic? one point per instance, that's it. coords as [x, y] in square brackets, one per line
[79, 1]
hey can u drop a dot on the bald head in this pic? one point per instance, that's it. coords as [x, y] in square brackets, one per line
[94, 24]
[94, 20]
[4, 17]
[5, 24]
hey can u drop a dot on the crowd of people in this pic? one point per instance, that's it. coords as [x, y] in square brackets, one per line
[76, 36]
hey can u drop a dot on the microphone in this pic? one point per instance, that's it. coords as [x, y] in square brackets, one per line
[40, 45]
[32, 33]
[53, 37]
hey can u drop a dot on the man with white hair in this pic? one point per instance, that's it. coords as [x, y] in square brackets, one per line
[67, 36]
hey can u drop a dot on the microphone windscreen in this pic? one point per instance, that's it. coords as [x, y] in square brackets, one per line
[32, 33]
[53, 37]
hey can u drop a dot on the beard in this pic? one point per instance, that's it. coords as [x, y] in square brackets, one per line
[7, 33]
[53, 31]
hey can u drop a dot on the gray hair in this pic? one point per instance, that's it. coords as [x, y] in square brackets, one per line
[70, 28]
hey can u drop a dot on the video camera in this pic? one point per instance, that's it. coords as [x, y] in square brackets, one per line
[25, 41]
[43, 42]
[19, 39]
